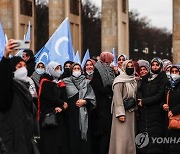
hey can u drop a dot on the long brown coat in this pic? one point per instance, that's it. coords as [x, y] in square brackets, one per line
[122, 133]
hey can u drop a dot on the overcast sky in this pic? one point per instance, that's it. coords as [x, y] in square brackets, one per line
[159, 12]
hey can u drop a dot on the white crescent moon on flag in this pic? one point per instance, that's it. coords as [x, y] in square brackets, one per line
[42, 55]
[58, 43]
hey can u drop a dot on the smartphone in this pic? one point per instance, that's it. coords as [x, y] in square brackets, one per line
[22, 44]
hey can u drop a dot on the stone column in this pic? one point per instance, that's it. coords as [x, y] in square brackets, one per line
[176, 31]
[109, 33]
[6, 17]
[115, 26]
[56, 14]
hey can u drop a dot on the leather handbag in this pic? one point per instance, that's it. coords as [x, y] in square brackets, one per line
[129, 103]
[174, 121]
[49, 120]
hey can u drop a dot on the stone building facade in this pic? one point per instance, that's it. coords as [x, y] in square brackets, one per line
[115, 26]
[14, 17]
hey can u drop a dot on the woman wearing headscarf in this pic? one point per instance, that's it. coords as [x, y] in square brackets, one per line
[89, 68]
[102, 81]
[52, 98]
[81, 100]
[166, 67]
[144, 71]
[39, 70]
[67, 71]
[151, 96]
[121, 58]
[123, 123]
[173, 106]
[16, 105]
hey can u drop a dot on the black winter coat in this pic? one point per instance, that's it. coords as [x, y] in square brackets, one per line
[16, 112]
[101, 117]
[54, 139]
[152, 116]
[31, 66]
[174, 107]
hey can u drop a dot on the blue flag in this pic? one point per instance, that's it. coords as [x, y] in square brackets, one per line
[59, 47]
[2, 42]
[77, 58]
[115, 60]
[86, 57]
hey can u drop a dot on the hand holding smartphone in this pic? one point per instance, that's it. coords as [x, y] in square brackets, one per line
[22, 44]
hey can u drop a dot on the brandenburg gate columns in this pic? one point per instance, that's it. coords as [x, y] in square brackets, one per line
[115, 26]
[176, 31]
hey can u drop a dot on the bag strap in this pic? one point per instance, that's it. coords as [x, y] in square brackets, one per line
[39, 94]
[167, 97]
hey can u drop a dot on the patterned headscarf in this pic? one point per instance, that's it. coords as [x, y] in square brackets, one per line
[166, 64]
[158, 60]
[144, 63]
[106, 57]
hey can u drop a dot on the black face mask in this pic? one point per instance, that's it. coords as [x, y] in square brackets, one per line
[67, 71]
[146, 76]
[129, 71]
[156, 71]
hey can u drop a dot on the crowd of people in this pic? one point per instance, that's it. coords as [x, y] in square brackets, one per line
[98, 109]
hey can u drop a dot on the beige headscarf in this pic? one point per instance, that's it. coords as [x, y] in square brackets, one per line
[129, 80]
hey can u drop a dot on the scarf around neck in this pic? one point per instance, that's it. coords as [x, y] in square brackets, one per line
[81, 85]
[129, 81]
[106, 73]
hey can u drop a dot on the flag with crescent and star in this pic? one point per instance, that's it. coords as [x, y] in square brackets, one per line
[59, 47]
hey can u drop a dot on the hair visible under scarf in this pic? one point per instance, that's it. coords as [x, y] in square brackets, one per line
[68, 62]
[106, 57]
[92, 61]
[122, 55]
[175, 66]
[74, 64]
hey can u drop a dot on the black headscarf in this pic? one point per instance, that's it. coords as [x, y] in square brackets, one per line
[66, 72]
[14, 61]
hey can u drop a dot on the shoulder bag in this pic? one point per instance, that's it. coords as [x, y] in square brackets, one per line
[174, 121]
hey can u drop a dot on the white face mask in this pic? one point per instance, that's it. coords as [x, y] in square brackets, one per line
[76, 73]
[168, 74]
[40, 71]
[89, 73]
[57, 73]
[21, 74]
[175, 76]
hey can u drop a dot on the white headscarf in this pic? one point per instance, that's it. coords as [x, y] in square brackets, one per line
[50, 69]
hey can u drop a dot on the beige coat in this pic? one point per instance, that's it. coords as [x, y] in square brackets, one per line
[122, 139]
